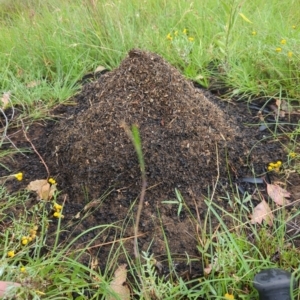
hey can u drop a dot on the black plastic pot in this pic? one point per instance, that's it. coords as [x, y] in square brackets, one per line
[273, 284]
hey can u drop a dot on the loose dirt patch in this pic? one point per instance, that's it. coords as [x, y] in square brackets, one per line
[191, 141]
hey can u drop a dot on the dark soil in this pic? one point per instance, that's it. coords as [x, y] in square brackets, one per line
[191, 141]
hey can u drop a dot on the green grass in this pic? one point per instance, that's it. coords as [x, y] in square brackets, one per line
[45, 49]
[56, 42]
[232, 249]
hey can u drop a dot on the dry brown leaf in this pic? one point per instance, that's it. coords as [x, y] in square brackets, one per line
[33, 83]
[99, 69]
[117, 284]
[42, 187]
[278, 194]
[208, 269]
[262, 212]
[91, 204]
[94, 264]
[284, 105]
[277, 111]
[211, 266]
[199, 77]
[77, 216]
[282, 108]
[4, 101]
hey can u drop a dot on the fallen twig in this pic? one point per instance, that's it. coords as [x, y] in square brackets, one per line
[34, 149]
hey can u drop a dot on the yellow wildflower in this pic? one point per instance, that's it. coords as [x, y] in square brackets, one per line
[51, 180]
[169, 37]
[57, 215]
[229, 296]
[22, 269]
[11, 253]
[290, 54]
[294, 26]
[254, 33]
[278, 49]
[24, 240]
[283, 42]
[275, 166]
[292, 154]
[184, 31]
[191, 39]
[19, 176]
[57, 207]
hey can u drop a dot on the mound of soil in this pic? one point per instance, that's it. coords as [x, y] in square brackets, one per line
[180, 130]
[188, 141]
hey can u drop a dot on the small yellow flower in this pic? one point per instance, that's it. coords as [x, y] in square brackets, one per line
[294, 26]
[184, 31]
[57, 207]
[52, 180]
[290, 54]
[292, 154]
[254, 33]
[11, 253]
[283, 42]
[24, 241]
[19, 176]
[278, 49]
[57, 215]
[191, 39]
[274, 166]
[229, 296]
[22, 269]
[169, 37]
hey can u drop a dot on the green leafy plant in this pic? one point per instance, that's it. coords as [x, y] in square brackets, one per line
[179, 201]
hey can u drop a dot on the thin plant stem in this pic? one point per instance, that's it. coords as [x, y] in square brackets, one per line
[134, 135]
[35, 150]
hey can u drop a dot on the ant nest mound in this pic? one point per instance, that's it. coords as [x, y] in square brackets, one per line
[185, 136]
[188, 143]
